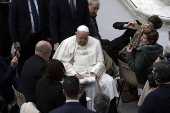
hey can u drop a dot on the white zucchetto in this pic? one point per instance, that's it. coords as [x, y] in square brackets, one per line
[83, 28]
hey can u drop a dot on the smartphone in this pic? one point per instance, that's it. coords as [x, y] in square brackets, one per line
[138, 27]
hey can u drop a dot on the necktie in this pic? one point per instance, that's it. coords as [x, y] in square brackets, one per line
[35, 16]
[72, 6]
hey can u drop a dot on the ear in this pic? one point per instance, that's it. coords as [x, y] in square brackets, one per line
[45, 52]
[64, 92]
[80, 89]
[150, 42]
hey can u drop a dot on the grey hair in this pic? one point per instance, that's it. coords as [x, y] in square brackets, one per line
[41, 48]
[101, 103]
[90, 2]
[167, 48]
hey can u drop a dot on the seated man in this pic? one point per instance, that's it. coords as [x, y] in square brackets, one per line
[119, 43]
[71, 90]
[33, 69]
[101, 103]
[158, 101]
[82, 57]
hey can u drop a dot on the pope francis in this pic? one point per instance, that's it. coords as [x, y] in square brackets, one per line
[82, 57]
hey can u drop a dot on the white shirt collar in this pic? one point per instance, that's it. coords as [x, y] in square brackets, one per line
[72, 101]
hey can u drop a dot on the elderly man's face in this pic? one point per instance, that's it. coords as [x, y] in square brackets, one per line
[93, 8]
[82, 38]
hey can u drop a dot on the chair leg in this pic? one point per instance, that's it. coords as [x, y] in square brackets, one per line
[121, 89]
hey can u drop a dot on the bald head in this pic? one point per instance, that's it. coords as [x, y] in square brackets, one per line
[43, 49]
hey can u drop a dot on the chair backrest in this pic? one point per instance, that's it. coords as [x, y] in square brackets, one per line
[128, 75]
[19, 97]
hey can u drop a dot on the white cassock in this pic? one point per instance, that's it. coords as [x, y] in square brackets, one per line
[84, 60]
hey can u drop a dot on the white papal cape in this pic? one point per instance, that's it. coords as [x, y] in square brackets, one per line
[86, 59]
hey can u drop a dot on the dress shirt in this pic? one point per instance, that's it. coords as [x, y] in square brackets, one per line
[32, 21]
[72, 101]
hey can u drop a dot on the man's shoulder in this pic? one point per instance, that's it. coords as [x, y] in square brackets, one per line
[93, 40]
[76, 107]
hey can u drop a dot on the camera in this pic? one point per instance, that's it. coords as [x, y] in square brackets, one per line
[167, 55]
[151, 80]
[151, 77]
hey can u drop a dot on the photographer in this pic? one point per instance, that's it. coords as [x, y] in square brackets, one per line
[158, 101]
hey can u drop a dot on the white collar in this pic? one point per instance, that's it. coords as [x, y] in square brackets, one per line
[72, 101]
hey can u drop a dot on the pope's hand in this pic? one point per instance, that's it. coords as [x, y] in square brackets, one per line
[79, 76]
[94, 75]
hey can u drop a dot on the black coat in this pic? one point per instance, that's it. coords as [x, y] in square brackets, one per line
[7, 79]
[157, 101]
[62, 24]
[33, 69]
[4, 10]
[49, 95]
[20, 20]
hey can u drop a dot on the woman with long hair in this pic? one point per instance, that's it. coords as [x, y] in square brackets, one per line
[48, 90]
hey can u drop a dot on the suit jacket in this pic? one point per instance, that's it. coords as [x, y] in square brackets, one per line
[62, 24]
[20, 20]
[72, 107]
[4, 10]
[33, 69]
[49, 95]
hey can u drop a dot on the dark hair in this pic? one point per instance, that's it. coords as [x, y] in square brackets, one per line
[101, 103]
[152, 35]
[54, 70]
[156, 21]
[163, 69]
[71, 86]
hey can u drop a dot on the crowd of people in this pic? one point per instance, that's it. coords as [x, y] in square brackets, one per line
[62, 64]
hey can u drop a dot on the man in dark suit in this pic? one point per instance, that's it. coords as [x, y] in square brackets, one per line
[5, 40]
[28, 22]
[33, 69]
[65, 17]
[71, 89]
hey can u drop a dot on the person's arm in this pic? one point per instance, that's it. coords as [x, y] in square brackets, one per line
[61, 99]
[64, 53]
[124, 25]
[11, 70]
[54, 21]
[47, 20]
[13, 23]
[119, 25]
[135, 62]
[148, 104]
[99, 68]
[86, 15]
